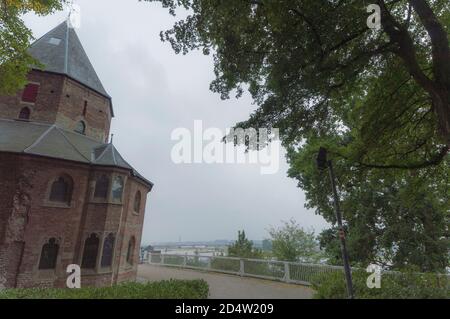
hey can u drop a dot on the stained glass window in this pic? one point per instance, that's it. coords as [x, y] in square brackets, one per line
[101, 187]
[61, 190]
[108, 251]
[90, 252]
[49, 255]
[117, 189]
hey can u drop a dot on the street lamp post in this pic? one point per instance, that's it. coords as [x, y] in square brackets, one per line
[323, 163]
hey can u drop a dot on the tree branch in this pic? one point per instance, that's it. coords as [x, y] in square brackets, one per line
[437, 159]
[439, 41]
[406, 50]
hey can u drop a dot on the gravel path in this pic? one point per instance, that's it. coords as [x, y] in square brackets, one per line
[224, 286]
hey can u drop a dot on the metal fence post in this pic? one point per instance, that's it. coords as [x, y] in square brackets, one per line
[209, 263]
[241, 267]
[162, 259]
[185, 260]
[287, 274]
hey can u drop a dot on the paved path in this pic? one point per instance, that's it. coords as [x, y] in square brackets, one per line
[222, 286]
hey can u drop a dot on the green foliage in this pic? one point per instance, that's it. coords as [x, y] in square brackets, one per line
[316, 70]
[15, 38]
[379, 101]
[292, 243]
[266, 245]
[406, 285]
[394, 218]
[171, 289]
[243, 247]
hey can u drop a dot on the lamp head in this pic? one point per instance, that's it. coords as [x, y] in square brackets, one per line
[322, 162]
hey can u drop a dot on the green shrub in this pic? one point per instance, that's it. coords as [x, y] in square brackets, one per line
[405, 285]
[168, 289]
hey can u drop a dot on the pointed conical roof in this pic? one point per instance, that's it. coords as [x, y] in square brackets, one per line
[107, 154]
[61, 51]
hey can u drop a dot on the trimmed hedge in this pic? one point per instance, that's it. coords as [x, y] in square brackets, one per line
[405, 285]
[168, 289]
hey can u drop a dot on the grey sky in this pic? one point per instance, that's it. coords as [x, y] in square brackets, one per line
[155, 91]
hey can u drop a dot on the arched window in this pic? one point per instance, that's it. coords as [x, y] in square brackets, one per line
[117, 189]
[90, 252]
[81, 127]
[101, 187]
[130, 251]
[137, 202]
[24, 114]
[49, 255]
[108, 251]
[61, 190]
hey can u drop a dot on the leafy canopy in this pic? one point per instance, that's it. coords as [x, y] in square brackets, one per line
[15, 38]
[315, 69]
[291, 242]
[243, 247]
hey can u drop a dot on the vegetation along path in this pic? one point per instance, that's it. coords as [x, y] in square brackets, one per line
[224, 286]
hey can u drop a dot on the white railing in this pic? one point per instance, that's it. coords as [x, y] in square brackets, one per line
[290, 272]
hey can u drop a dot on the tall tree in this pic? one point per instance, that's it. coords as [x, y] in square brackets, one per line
[15, 38]
[291, 242]
[243, 247]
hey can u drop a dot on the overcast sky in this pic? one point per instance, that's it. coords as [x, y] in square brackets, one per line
[155, 91]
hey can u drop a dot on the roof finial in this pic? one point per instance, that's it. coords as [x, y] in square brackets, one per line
[74, 16]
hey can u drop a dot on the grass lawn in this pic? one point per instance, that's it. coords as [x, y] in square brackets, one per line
[168, 289]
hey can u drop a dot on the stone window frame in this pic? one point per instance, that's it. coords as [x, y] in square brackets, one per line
[99, 249]
[105, 235]
[48, 273]
[54, 178]
[124, 180]
[98, 269]
[94, 187]
[109, 198]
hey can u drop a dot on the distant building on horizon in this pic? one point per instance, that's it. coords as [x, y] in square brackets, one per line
[66, 194]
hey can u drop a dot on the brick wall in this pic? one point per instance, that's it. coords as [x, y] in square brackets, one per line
[46, 106]
[30, 220]
[62, 101]
[98, 115]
